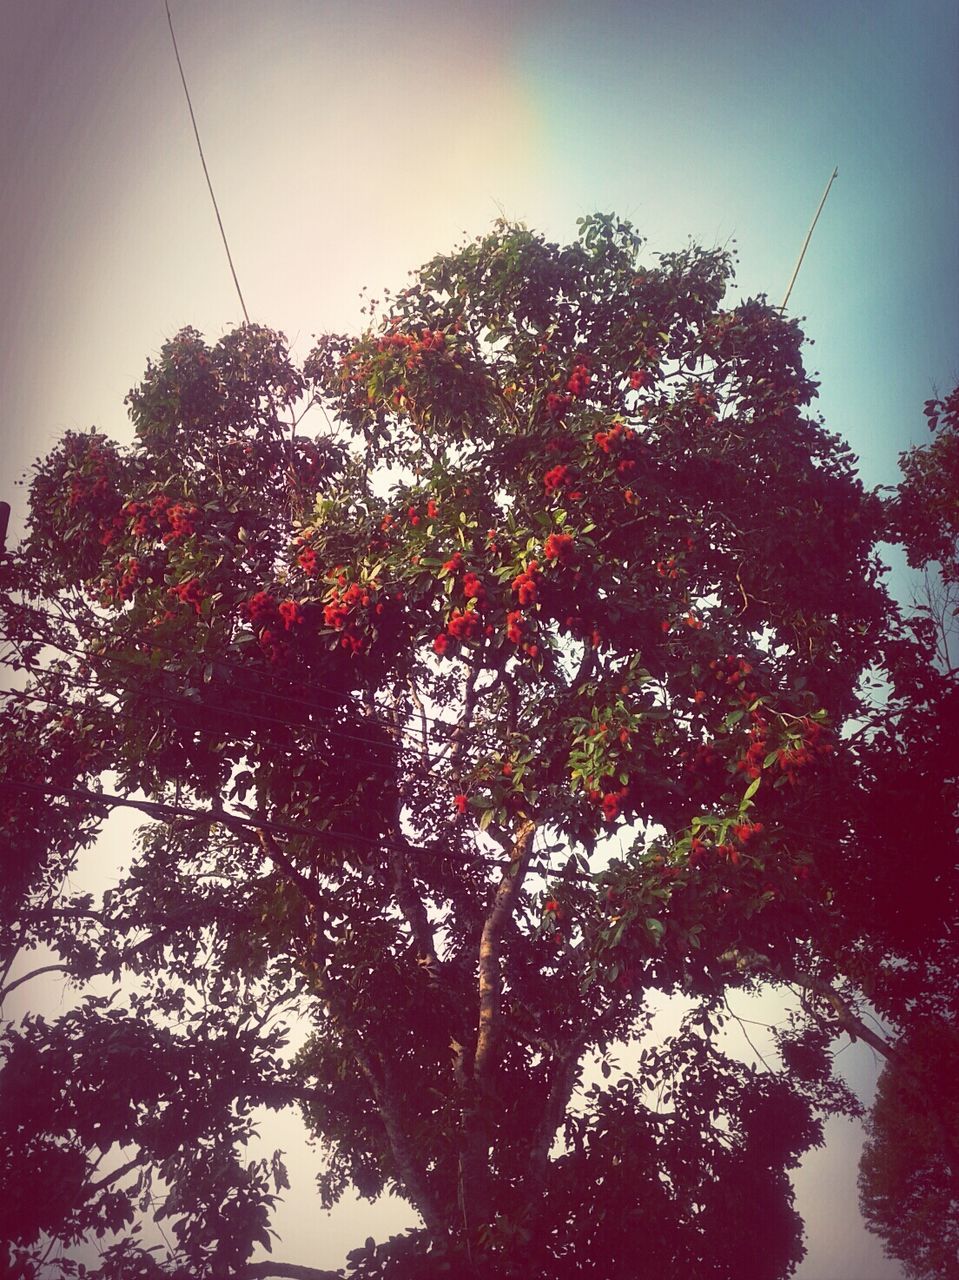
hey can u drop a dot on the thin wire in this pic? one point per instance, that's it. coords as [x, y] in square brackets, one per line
[160, 809]
[835, 175]
[299, 682]
[395, 739]
[336, 731]
[196, 132]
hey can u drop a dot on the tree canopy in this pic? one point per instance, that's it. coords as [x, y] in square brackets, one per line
[491, 675]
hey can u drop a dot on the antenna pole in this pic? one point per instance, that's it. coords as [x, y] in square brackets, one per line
[835, 175]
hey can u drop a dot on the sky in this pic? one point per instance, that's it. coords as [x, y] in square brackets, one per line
[350, 140]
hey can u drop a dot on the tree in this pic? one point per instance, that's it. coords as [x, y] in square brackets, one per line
[533, 684]
[909, 1176]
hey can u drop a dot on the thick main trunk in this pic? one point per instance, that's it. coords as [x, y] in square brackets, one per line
[475, 1181]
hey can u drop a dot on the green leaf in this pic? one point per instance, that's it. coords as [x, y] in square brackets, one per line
[751, 789]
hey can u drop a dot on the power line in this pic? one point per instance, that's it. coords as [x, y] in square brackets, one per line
[206, 171]
[336, 733]
[98, 685]
[162, 809]
[298, 682]
[835, 175]
[336, 730]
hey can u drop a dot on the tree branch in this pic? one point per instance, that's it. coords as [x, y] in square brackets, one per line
[409, 900]
[34, 973]
[490, 974]
[565, 1071]
[286, 1271]
[272, 849]
[388, 1104]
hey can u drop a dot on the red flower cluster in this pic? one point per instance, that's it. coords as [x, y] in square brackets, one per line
[171, 521]
[515, 626]
[556, 404]
[744, 831]
[556, 478]
[640, 378]
[578, 380]
[308, 562]
[525, 583]
[191, 592]
[460, 803]
[291, 614]
[463, 624]
[182, 520]
[560, 547]
[454, 564]
[429, 340]
[610, 440]
[261, 608]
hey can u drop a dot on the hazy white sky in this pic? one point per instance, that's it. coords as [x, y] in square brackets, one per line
[350, 140]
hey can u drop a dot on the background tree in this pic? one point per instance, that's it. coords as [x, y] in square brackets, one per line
[909, 1177]
[534, 684]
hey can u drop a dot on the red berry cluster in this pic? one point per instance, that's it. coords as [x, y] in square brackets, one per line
[730, 670]
[130, 572]
[578, 381]
[191, 592]
[560, 547]
[273, 618]
[525, 584]
[162, 518]
[429, 340]
[556, 478]
[812, 743]
[609, 441]
[751, 763]
[464, 623]
[731, 850]
[343, 611]
[557, 404]
[515, 623]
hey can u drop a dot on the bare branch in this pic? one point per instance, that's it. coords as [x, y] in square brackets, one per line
[34, 973]
[286, 1271]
